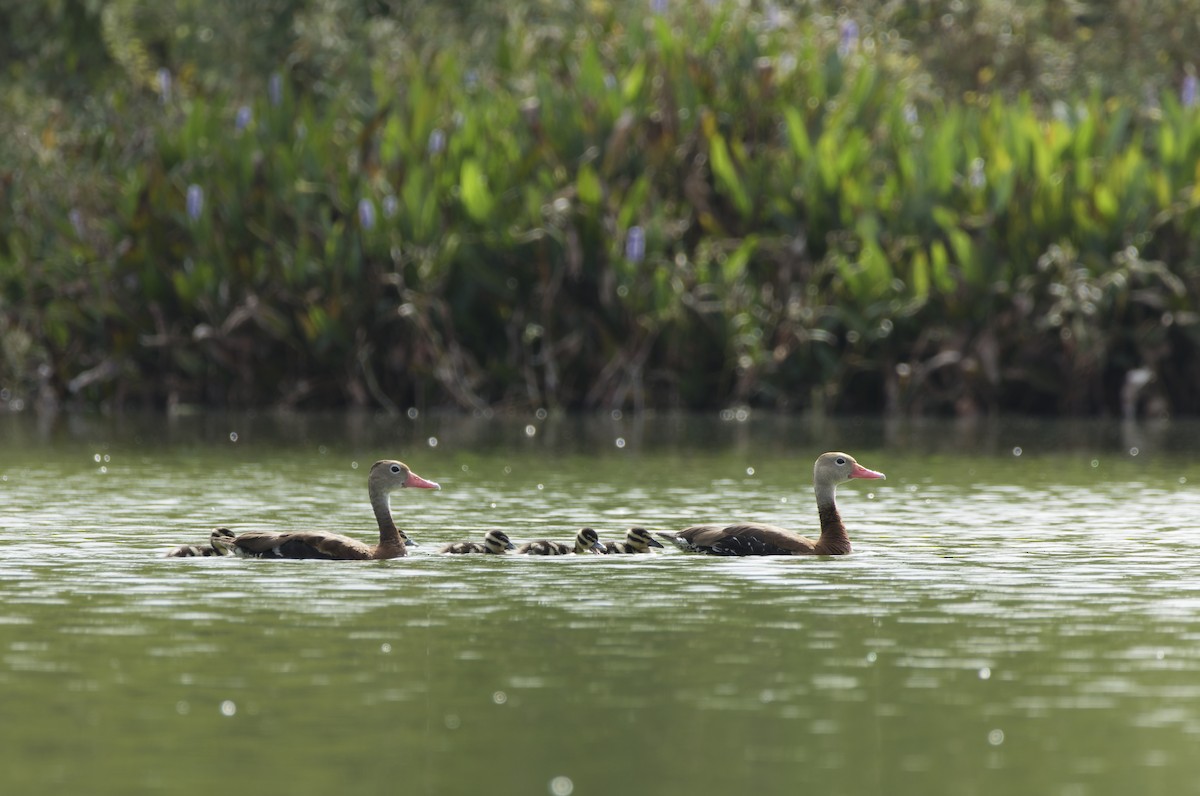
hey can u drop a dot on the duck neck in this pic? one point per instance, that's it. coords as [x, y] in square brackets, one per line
[834, 540]
[389, 534]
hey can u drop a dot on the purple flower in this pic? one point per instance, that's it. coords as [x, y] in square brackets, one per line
[195, 201]
[849, 38]
[1187, 95]
[275, 89]
[635, 245]
[366, 213]
[164, 85]
[243, 118]
[437, 142]
[390, 206]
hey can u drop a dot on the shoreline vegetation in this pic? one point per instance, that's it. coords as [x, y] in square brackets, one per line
[912, 208]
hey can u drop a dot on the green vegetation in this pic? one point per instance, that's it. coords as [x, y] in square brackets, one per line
[925, 208]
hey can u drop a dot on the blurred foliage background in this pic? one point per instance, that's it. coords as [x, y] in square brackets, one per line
[908, 207]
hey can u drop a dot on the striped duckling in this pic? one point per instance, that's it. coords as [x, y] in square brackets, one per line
[494, 542]
[220, 543]
[586, 541]
[637, 540]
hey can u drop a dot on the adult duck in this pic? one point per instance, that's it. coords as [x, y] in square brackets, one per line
[637, 540]
[586, 541]
[758, 539]
[494, 543]
[385, 477]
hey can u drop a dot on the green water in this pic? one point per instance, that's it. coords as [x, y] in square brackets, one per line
[1008, 623]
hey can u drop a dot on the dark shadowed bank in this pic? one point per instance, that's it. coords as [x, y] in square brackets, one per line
[908, 208]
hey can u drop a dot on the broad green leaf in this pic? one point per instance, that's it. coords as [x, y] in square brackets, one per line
[726, 173]
[587, 185]
[476, 197]
[735, 264]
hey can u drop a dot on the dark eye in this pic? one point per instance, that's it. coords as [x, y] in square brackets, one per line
[396, 468]
[840, 460]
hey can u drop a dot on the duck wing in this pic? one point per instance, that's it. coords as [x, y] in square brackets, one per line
[301, 545]
[745, 539]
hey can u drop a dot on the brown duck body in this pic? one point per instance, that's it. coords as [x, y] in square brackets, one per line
[385, 476]
[760, 539]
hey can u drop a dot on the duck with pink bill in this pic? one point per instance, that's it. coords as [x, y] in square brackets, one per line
[760, 539]
[385, 477]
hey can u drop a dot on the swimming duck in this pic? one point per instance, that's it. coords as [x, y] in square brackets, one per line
[385, 476]
[637, 540]
[494, 542]
[758, 539]
[586, 541]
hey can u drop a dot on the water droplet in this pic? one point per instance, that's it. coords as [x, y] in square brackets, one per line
[182, 708]
[749, 471]
[1017, 451]
[996, 737]
[541, 486]
[620, 442]
[1183, 479]
[96, 458]
[385, 648]
[1134, 451]
[872, 657]
[322, 450]
[228, 708]
[530, 431]
[353, 465]
[433, 442]
[507, 470]
[540, 414]
[499, 697]
[616, 414]
[562, 786]
[1160, 654]
[233, 436]
[103, 470]
[1095, 463]
[412, 413]
[465, 468]
[985, 673]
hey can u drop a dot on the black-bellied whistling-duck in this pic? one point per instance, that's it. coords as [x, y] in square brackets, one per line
[586, 541]
[385, 476]
[494, 542]
[637, 540]
[757, 539]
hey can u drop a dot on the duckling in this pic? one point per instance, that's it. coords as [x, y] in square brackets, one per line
[637, 540]
[586, 541]
[494, 542]
[220, 544]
